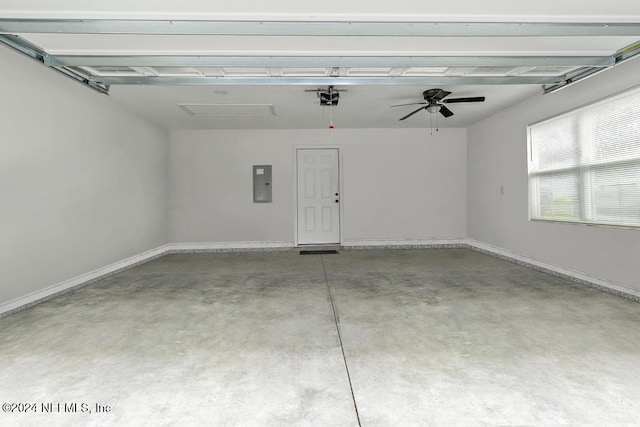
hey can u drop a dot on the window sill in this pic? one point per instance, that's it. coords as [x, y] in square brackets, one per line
[587, 224]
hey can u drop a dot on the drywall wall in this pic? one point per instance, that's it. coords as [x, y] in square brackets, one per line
[83, 183]
[497, 157]
[398, 184]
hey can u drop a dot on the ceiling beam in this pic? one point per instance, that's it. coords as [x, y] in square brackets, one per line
[319, 81]
[325, 61]
[317, 28]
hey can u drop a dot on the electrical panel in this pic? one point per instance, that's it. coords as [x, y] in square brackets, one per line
[262, 188]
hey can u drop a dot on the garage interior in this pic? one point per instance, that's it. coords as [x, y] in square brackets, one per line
[153, 216]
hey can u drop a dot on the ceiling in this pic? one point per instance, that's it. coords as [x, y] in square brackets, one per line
[247, 64]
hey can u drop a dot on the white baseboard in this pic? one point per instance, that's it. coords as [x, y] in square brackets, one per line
[226, 246]
[571, 274]
[51, 291]
[403, 243]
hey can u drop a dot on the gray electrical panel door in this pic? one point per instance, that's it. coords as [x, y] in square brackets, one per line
[262, 184]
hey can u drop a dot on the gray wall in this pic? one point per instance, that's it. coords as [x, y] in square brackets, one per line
[497, 156]
[398, 183]
[82, 182]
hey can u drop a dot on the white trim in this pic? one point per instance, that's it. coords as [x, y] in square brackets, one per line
[82, 279]
[554, 268]
[222, 246]
[412, 242]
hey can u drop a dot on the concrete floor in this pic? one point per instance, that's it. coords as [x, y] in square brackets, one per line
[423, 337]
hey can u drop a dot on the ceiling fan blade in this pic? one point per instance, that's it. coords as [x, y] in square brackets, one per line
[412, 113]
[413, 103]
[445, 111]
[441, 95]
[471, 99]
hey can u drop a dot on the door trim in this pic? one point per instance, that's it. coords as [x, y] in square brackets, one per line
[297, 147]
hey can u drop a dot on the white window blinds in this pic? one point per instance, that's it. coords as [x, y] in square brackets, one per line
[584, 166]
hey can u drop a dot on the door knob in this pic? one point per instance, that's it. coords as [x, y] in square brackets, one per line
[337, 200]
[336, 194]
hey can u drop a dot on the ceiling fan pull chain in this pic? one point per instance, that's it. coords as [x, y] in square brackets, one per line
[431, 123]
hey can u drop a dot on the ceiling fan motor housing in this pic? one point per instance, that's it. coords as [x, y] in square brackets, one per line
[435, 94]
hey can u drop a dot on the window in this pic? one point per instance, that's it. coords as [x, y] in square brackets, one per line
[584, 165]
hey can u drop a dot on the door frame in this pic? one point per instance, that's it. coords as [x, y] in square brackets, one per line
[297, 147]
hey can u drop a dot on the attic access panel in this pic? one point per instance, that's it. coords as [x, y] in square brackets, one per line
[228, 110]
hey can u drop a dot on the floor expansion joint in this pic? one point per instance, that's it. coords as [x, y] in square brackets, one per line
[344, 357]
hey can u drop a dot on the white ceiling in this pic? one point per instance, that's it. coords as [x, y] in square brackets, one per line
[360, 107]
[289, 106]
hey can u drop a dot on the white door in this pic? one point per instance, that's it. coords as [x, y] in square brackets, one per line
[318, 196]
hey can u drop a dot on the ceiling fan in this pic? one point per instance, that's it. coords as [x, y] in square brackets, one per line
[434, 102]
